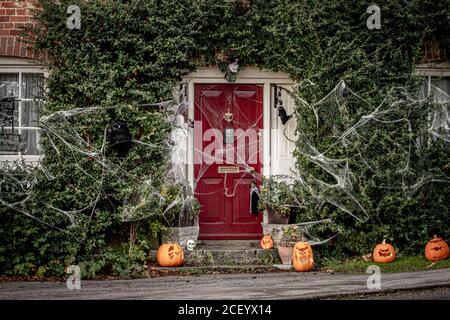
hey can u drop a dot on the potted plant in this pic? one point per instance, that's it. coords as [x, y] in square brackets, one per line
[276, 198]
[290, 236]
[181, 214]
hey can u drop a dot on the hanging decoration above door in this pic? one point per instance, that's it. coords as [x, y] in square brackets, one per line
[232, 70]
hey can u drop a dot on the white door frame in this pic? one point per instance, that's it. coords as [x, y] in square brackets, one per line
[250, 75]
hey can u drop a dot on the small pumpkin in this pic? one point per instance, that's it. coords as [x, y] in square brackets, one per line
[303, 258]
[384, 253]
[267, 242]
[170, 255]
[436, 249]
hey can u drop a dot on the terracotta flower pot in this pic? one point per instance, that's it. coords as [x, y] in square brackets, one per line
[275, 218]
[285, 253]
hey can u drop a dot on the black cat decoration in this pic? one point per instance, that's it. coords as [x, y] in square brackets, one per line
[254, 199]
[283, 115]
[120, 138]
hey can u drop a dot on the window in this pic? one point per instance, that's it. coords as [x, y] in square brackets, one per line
[19, 131]
[438, 120]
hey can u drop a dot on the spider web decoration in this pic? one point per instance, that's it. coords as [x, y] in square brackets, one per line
[339, 160]
[342, 169]
[96, 159]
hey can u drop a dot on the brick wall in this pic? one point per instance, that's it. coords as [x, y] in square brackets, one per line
[15, 16]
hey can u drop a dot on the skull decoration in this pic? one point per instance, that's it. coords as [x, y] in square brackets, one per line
[190, 245]
[384, 253]
[303, 259]
[170, 255]
[436, 249]
[267, 242]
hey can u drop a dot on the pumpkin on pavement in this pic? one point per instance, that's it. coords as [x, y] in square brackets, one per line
[170, 255]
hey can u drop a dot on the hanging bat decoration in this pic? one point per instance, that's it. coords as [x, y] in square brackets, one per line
[120, 138]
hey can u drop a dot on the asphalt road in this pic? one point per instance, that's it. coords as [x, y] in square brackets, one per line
[423, 294]
[282, 285]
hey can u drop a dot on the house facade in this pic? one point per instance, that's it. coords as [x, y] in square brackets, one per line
[235, 134]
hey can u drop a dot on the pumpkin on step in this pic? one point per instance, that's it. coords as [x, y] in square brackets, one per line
[436, 249]
[170, 255]
[383, 253]
[303, 259]
[267, 242]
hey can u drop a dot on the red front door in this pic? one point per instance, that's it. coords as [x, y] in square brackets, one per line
[227, 158]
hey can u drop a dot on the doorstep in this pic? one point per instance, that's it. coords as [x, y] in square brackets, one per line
[228, 253]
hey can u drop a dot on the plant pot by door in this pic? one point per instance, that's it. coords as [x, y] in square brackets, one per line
[276, 218]
[285, 254]
[185, 236]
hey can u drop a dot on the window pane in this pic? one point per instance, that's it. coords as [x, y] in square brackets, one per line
[9, 85]
[32, 85]
[10, 143]
[32, 88]
[9, 114]
[443, 84]
[30, 140]
[423, 91]
[30, 113]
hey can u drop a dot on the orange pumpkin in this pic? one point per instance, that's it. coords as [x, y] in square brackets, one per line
[383, 253]
[170, 255]
[267, 242]
[436, 249]
[303, 259]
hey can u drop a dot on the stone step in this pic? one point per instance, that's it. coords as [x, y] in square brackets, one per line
[228, 244]
[210, 256]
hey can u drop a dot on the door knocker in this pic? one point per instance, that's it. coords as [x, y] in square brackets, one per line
[228, 116]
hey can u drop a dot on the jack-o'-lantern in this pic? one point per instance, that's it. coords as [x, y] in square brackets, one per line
[303, 259]
[170, 255]
[383, 253]
[267, 242]
[436, 249]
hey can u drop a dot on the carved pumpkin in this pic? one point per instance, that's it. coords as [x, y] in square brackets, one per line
[170, 255]
[267, 242]
[303, 259]
[436, 249]
[384, 253]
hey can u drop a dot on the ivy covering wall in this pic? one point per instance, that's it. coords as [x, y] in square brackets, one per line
[129, 53]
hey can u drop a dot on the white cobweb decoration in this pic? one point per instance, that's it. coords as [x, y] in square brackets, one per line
[18, 178]
[339, 190]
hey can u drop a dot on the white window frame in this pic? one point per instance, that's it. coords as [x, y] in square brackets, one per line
[21, 66]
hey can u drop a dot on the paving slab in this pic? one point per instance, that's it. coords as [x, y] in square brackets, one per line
[282, 285]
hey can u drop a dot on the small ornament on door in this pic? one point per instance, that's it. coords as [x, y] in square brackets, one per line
[228, 131]
[228, 116]
[228, 136]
